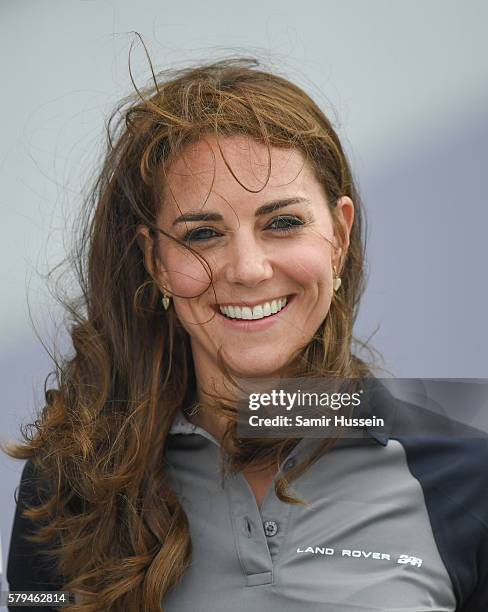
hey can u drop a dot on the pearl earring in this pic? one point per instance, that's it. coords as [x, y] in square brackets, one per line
[337, 280]
[166, 301]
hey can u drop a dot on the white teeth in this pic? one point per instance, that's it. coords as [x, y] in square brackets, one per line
[258, 312]
[246, 312]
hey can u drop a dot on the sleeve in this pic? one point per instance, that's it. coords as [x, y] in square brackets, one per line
[28, 569]
[453, 473]
[479, 598]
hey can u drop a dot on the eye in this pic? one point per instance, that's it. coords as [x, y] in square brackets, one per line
[200, 234]
[286, 223]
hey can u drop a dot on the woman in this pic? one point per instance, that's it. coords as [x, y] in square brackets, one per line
[224, 242]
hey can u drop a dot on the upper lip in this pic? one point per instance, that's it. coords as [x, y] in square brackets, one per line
[251, 304]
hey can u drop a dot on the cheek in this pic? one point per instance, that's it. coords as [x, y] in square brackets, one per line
[188, 276]
[308, 264]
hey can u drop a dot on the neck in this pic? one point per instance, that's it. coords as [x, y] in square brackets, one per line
[211, 383]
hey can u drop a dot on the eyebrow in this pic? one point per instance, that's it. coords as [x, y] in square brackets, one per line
[262, 210]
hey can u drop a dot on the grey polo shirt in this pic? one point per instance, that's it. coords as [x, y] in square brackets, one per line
[395, 523]
[386, 529]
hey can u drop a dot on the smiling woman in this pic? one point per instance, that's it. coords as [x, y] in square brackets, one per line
[223, 241]
[270, 246]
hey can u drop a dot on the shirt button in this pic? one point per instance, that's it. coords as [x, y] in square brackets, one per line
[270, 528]
[289, 464]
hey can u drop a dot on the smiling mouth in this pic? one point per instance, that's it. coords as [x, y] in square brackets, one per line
[254, 313]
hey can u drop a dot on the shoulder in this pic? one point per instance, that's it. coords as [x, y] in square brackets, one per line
[450, 461]
[450, 458]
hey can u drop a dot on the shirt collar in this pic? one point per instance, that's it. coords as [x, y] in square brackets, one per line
[181, 425]
[378, 402]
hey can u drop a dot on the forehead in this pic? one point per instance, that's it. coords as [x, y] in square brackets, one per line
[235, 168]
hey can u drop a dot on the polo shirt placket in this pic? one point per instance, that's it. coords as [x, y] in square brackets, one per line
[259, 531]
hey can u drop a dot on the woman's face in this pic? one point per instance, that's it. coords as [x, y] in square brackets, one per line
[270, 251]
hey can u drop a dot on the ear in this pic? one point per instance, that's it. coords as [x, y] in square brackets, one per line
[147, 245]
[344, 212]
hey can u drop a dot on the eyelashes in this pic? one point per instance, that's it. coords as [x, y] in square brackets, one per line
[200, 234]
[287, 223]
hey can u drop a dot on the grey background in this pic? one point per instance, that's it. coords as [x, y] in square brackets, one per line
[404, 82]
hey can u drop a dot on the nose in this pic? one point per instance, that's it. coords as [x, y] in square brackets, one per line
[246, 261]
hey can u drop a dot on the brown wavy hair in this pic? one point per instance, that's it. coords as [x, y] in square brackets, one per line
[108, 515]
